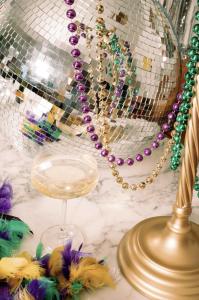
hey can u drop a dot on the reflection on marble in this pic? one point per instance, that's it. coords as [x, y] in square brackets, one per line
[104, 215]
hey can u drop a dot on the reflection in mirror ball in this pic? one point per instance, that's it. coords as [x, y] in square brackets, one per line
[38, 98]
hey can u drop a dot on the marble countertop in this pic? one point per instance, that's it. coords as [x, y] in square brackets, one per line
[104, 215]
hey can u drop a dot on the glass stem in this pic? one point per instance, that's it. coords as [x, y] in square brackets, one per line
[65, 208]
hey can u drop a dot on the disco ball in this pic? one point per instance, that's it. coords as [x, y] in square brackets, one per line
[38, 98]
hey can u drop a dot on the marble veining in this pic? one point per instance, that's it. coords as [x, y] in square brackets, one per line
[104, 215]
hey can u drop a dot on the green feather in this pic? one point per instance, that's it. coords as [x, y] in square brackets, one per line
[51, 288]
[39, 251]
[16, 230]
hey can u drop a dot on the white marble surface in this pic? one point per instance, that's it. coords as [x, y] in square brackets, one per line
[104, 215]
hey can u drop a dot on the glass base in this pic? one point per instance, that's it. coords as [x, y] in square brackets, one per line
[58, 235]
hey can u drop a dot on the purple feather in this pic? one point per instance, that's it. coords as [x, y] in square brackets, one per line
[71, 256]
[36, 290]
[4, 292]
[6, 194]
[44, 263]
[4, 235]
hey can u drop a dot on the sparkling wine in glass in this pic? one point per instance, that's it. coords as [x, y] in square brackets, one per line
[63, 177]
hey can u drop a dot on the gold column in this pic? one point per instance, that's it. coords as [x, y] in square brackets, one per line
[160, 256]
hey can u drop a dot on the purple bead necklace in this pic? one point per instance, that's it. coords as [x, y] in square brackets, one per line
[83, 98]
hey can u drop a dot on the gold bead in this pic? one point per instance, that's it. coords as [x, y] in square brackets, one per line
[171, 142]
[163, 158]
[159, 166]
[125, 185]
[133, 187]
[149, 179]
[100, 20]
[155, 173]
[142, 185]
[173, 132]
[119, 180]
[115, 173]
[113, 166]
[100, 8]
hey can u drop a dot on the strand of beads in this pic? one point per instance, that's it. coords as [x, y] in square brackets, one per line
[188, 93]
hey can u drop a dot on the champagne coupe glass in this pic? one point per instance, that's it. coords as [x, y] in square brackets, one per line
[63, 176]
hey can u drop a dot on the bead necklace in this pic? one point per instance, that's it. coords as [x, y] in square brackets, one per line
[160, 136]
[83, 99]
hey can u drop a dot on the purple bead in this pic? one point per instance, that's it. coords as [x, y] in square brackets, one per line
[82, 26]
[73, 40]
[90, 129]
[83, 35]
[79, 76]
[139, 157]
[147, 151]
[85, 109]
[160, 136]
[81, 87]
[165, 127]
[104, 152]
[75, 53]
[171, 116]
[87, 119]
[98, 146]
[111, 158]
[71, 14]
[77, 64]
[122, 73]
[176, 107]
[155, 145]
[72, 27]
[94, 137]
[120, 161]
[118, 92]
[69, 2]
[179, 97]
[130, 161]
[82, 98]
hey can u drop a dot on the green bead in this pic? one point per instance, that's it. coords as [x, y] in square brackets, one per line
[196, 187]
[116, 61]
[190, 82]
[180, 128]
[188, 87]
[197, 15]
[184, 108]
[188, 76]
[190, 64]
[191, 52]
[177, 147]
[173, 167]
[177, 138]
[193, 71]
[195, 58]
[196, 28]
[187, 95]
[195, 42]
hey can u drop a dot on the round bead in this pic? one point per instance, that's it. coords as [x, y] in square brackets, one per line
[73, 40]
[82, 98]
[79, 76]
[81, 88]
[125, 185]
[111, 158]
[69, 2]
[122, 73]
[71, 14]
[139, 157]
[155, 145]
[197, 15]
[196, 28]
[176, 107]
[85, 109]
[87, 119]
[142, 185]
[179, 97]
[149, 179]
[120, 161]
[115, 173]
[72, 27]
[133, 187]
[90, 129]
[98, 146]
[94, 137]
[147, 151]
[130, 161]
[166, 127]
[171, 116]
[77, 64]
[194, 42]
[104, 152]
[119, 180]
[160, 136]
[75, 53]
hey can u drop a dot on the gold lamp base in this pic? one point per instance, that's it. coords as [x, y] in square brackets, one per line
[160, 257]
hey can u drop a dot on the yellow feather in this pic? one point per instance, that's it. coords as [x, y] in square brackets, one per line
[24, 295]
[9, 266]
[55, 262]
[92, 274]
[31, 271]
